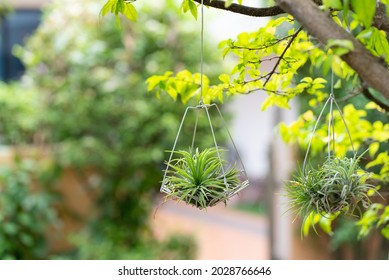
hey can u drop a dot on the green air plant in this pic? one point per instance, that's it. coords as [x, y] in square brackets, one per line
[201, 179]
[338, 186]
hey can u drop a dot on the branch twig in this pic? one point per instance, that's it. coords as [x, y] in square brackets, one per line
[282, 55]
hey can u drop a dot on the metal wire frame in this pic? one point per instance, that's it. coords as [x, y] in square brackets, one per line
[331, 129]
[206, 107]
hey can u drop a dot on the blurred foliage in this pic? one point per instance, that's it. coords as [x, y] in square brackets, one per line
[19, 113]
[25, 212]
[258, 208]
[377, 216]
[94, 113]
[176, 247]
[5, 8]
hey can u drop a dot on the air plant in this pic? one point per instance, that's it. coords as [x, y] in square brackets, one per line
[338, 186]
[201, 178]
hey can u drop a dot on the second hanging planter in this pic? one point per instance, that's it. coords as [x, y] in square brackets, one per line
[337, 186]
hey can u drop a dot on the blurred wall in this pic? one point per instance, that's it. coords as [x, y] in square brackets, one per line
[28, 4]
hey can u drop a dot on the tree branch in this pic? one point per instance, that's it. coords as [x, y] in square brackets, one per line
[244, 10]
[282, 55]
[320, 25]
[380, 19]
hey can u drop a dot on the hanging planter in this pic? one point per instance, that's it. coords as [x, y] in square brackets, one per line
[202, 177]
[337, 186]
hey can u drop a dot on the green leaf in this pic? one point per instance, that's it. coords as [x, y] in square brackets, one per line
[346, 7]
[311, 220]
[365, 10]
[224, 78]
[334, 4]
[228, 3]
[108, 7]
[189, 5]
[193, 9]
[307, 80]
[385, 232]
[340, 47]
[373, 148]
[338, 84]
[381, 44]
[320, 81]
[129, 11]
[120, 7]
[326, 225]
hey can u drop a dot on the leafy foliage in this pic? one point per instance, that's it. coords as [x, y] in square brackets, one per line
[25, 213]
[122, 7]
[199, 178]
[377, 216]
[175, 247]
[19, 113]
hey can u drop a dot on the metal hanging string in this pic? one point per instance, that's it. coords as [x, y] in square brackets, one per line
[201, 53]
[333, 101]
[331, 125]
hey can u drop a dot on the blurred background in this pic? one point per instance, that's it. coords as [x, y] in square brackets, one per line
[82, 141]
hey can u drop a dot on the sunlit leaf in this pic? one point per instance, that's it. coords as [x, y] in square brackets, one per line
[340, 47]
[334, 4]
[130, 12]
[365, 10]
[193, 9]
[108, 7]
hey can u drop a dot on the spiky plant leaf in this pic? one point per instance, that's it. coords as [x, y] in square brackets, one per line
[197, 178]
[337, 186]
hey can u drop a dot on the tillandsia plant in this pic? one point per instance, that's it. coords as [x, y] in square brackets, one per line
[337, 186]
[199, 178]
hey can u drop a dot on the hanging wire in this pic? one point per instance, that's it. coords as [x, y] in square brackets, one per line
[313, 133]
[331, 125]
[163, 187]
[202, 53]
[331, 121]
[345, 124]
[195, 130]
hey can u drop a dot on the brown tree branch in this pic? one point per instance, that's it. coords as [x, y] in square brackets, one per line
[320, 25]
[380, 19]
[244, 10]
